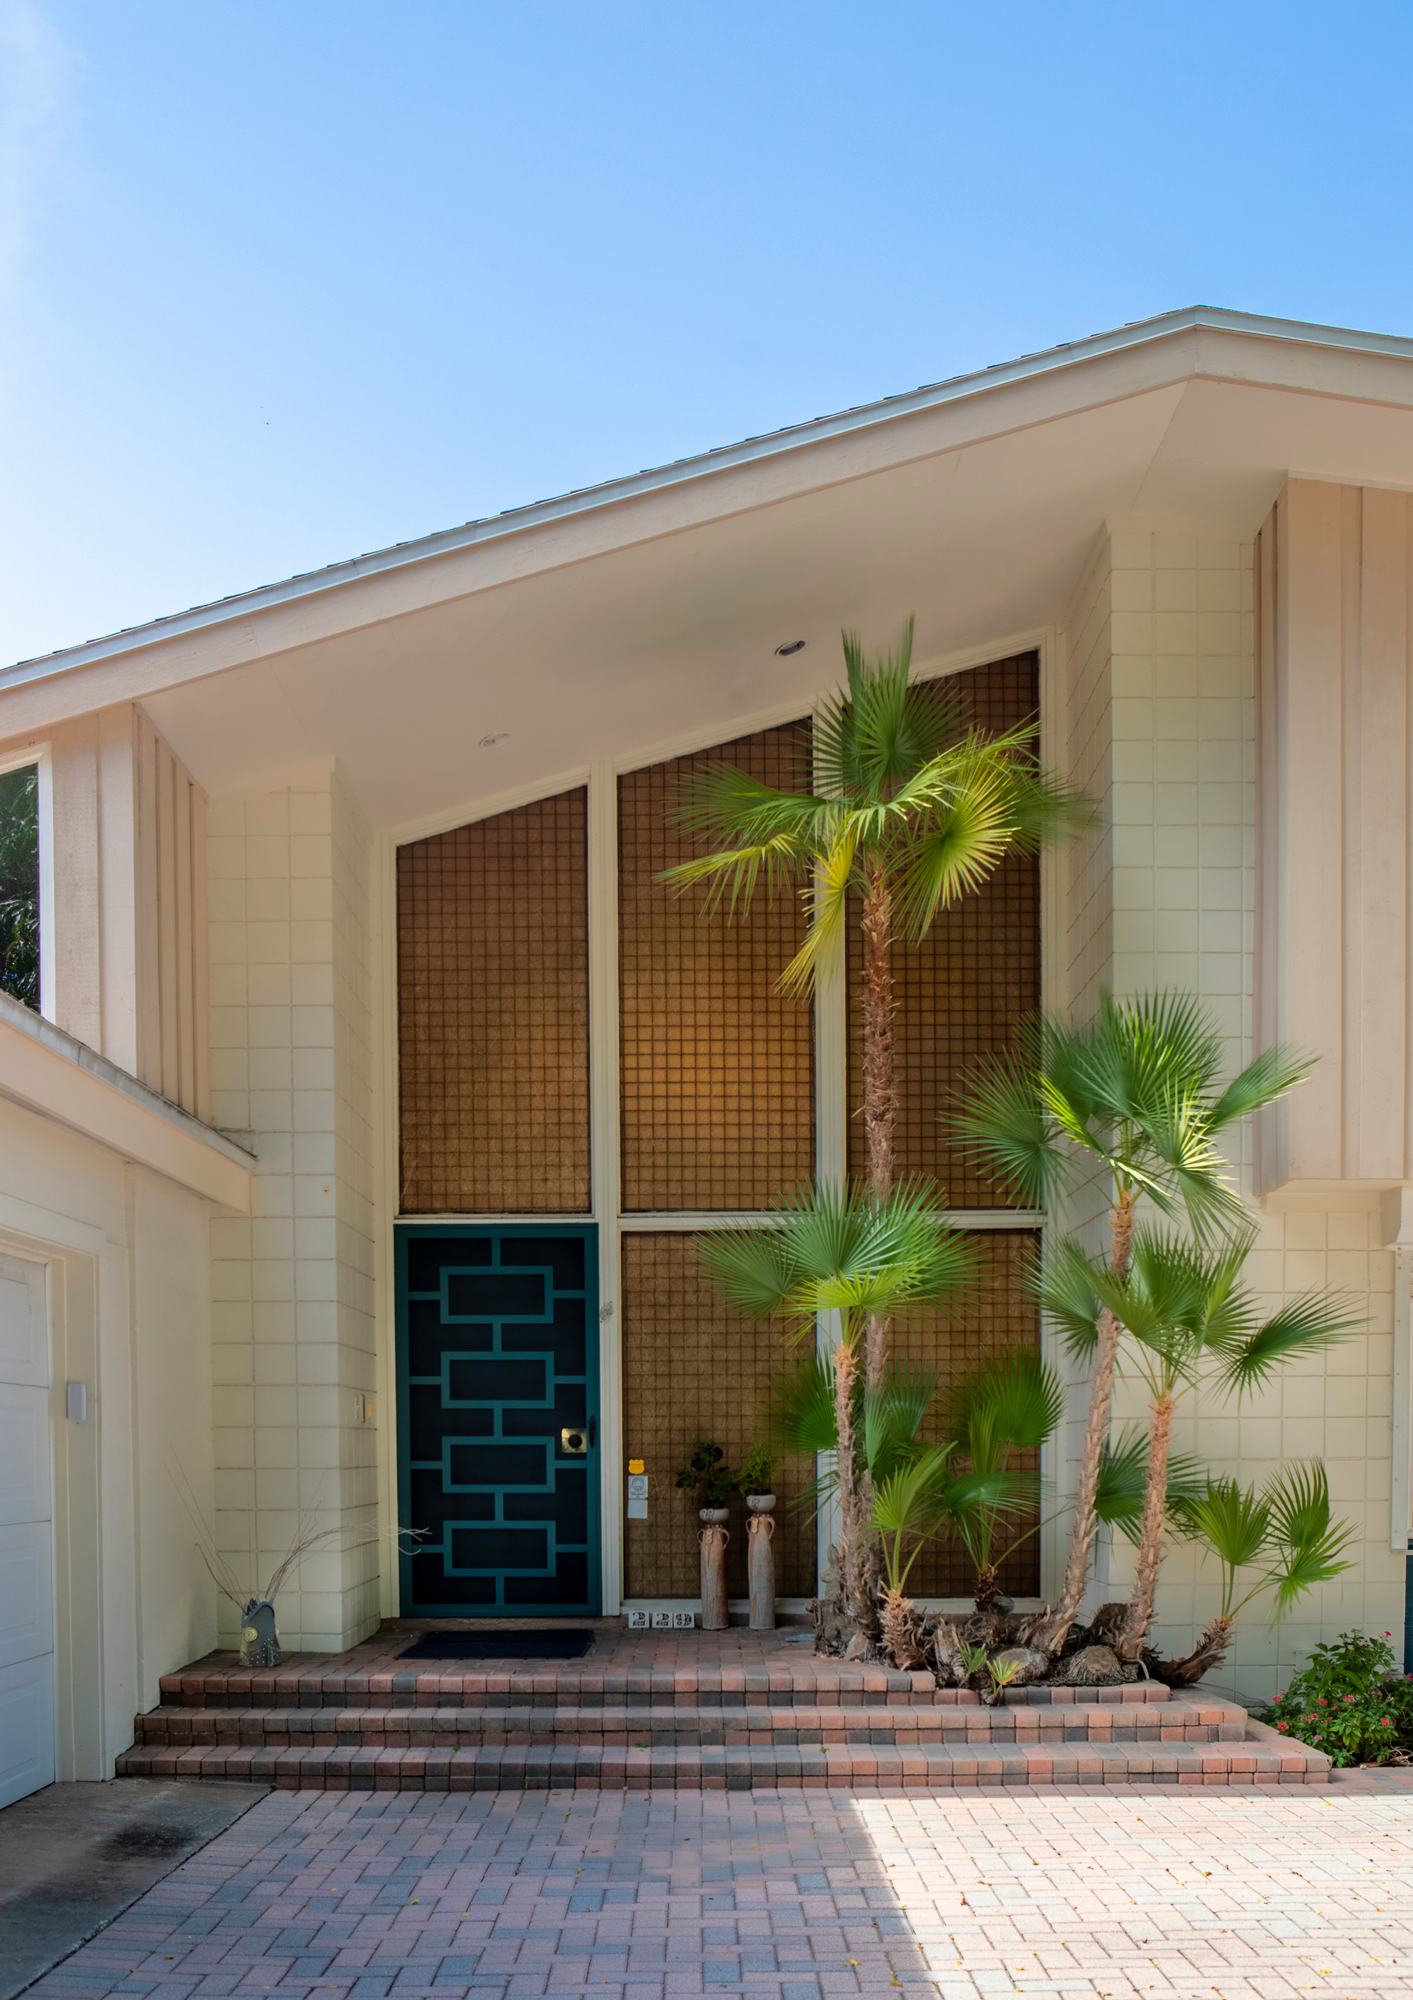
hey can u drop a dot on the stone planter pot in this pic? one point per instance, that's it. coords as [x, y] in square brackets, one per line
[714, 1537]
[761, 1561]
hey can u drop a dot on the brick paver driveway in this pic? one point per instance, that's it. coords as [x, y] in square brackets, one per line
[795, 1896]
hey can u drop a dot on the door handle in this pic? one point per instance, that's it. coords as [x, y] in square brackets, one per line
[592, 1428]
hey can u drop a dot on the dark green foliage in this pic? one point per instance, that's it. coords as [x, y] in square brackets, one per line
[707, 1477]
[19, 884]
[757, 1470]
[1123, 1482]
[1349, 1702]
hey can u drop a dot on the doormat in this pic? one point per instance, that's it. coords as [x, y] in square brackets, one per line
[570, 1645]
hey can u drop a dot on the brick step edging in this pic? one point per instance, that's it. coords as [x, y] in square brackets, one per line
[925, 1768]
[426, 1728]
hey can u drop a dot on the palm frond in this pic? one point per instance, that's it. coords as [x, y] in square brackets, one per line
[1065, 1288]
[1231, 1520]
[1006, 1126]
[1302, 1326]
[893, 1414]
[1014, 1398]
[800, 1420]
[829, 1248]
[950, 849]
[1046, 811]
[1267, 1077]
[1308, 1543]
[827, 897]
[1123, 1482]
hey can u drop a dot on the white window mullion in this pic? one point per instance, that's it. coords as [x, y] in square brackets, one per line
[604, 1142]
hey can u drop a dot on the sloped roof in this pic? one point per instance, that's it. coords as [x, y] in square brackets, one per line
[1067, 354]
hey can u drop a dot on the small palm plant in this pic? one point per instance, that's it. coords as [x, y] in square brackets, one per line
[1192, 1325]
[909, 1505]
[845, 1251]
[1012, 1403]
[914, 808]
[1286, 1533]
[1132, 1104]
[918, 1490]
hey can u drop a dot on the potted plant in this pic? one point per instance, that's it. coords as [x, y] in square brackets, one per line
[754, 1481]
[707, 1476]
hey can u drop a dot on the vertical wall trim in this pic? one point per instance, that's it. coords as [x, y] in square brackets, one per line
[1398, 1234]
[604, 1145]
[47, 955]
[1401, 1482]
[385, 1152]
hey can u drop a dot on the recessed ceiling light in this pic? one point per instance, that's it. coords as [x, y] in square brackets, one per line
[791, 646]
[490, 742]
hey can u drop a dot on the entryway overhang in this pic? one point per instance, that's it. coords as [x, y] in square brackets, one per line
[652, 607]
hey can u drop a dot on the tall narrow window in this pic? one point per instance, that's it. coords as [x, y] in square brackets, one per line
[693, 1369]
[493, 1015]
[19, 885]
[717, 1063]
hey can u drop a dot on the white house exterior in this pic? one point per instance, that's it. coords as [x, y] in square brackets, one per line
[1199, 529]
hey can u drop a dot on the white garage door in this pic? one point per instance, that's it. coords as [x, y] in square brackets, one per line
[26, 1535]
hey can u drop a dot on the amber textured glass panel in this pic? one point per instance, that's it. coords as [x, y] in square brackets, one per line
[963, 992]
[493, 1015]
[693, 1370]
[717, 1064]
[1003, 1315]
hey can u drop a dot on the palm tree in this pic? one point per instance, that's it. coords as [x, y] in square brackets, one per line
[1288, 1530]
[1191, 1325]
[1012, 1402]
[845, 1251]
[1131, 1104]
[914, 808]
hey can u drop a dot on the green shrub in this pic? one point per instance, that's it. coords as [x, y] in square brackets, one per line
[757, 1470]
[707, 1477]
[1349, 1701]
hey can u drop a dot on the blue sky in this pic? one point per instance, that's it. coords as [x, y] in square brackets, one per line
[281, 283]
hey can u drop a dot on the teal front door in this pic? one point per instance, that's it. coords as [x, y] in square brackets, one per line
[498, 1407]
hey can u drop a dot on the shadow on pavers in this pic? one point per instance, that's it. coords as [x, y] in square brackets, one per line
[73, 1857]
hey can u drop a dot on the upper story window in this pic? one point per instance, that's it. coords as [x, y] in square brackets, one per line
[19, 885]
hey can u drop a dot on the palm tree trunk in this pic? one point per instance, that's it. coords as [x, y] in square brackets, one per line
[880, 1105]
[1139, 1616]
[1050, 1635]
[880, 1109]
[853, 1582]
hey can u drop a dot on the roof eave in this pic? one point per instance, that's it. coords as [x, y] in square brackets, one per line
[521, 520]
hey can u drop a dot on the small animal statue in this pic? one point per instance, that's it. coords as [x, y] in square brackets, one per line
[259, 1635]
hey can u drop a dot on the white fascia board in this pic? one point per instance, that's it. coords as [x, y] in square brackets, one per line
[49, 1072]
[1053, 362]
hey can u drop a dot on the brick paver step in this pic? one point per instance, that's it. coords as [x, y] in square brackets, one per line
[643, 1726]
[859, 1687]
[847, 1766]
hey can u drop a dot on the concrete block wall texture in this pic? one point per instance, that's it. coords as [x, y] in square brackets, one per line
[1159, 721]
[292, 1064]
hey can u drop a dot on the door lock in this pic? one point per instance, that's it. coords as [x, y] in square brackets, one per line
[574, 1443]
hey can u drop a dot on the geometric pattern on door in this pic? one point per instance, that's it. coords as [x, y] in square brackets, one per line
[26, 1534]
[497, 1379]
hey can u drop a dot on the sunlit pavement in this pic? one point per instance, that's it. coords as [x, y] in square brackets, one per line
[1243, 1895]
